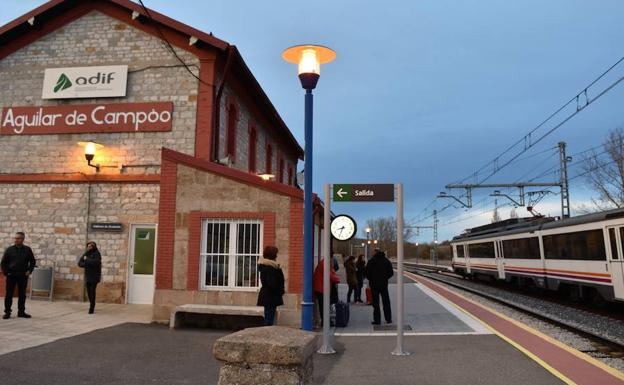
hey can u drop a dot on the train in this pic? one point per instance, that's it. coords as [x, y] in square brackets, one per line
[581, 256]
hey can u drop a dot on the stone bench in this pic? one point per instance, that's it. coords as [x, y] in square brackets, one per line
[225, 312]
[266, 355]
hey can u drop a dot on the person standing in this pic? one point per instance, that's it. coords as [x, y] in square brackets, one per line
[272, 279]
[379, 271]
[360, 268]
[91, 262]
[18, 262]
[351, 278]
[334, 280]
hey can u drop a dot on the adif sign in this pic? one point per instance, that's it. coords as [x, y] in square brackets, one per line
[96, 118]
[85, 82]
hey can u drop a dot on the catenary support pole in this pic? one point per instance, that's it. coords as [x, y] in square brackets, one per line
[399, 351]
[326, 348]
[307, 306]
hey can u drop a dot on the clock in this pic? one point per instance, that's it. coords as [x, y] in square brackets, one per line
[343, 227]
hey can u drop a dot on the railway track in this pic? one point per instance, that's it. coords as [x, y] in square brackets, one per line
[605, 331]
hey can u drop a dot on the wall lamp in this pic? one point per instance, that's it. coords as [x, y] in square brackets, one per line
[90, 147]
[266, 177]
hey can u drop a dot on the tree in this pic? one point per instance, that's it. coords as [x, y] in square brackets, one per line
[606, 176]
[384, 230]
[495, 215]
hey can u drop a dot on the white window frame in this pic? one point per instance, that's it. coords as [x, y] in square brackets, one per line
[232, 255]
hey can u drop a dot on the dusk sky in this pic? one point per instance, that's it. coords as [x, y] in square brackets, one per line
[427, 92]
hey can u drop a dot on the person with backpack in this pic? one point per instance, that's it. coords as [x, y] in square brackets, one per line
[91, 262]
[378, 271]
[272, 279]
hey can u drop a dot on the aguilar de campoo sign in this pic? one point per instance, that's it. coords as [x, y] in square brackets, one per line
[87, 118]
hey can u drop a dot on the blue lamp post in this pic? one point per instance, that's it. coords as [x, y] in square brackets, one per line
[308, 59]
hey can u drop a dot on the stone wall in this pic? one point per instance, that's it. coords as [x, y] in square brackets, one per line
[54, 218]
[154, 74]
[206, 192]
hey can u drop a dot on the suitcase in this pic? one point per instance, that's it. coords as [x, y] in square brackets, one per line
[342, 314]
[369, 296]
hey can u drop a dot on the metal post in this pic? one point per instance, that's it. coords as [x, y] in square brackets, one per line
[399, 351]
[326, 348]
[366, 248]
[307, 306]
[565, 191]
[435, 237]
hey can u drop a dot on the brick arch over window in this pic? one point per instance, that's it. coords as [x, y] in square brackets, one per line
[253, 146]
[230, 133]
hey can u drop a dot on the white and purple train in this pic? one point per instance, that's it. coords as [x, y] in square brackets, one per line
[582, 256]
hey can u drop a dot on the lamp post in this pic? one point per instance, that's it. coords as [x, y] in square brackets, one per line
[308, 59]
[368, 230]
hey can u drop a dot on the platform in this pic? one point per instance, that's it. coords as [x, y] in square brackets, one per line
[426, 313]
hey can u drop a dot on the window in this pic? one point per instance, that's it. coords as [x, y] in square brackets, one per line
[290, 176]
[579, 245]
[280, 171]
[229, 253]
[253, 144]
[232, 122]
[269, 159]
[522, 248]
[481, 250]
[460, 251]
[613, 241]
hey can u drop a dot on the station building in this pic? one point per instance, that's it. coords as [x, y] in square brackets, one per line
[181, 131]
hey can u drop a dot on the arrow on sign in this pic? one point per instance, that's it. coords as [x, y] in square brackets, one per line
[341, 193]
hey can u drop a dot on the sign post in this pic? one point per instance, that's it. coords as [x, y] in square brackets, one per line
[363, 193]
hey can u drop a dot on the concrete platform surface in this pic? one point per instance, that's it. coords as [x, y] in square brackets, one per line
[55, 320]
[426, 313]
[434, 360]
[143, 354]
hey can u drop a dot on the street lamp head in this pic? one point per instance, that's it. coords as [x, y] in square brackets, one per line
[90, 147]
[309, 58]
[368, 230]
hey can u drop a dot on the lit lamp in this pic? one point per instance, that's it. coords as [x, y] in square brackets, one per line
[308, 59]
[90, 147]
[266, 177]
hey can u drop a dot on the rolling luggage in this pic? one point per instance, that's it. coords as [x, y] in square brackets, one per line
[369, 296]
[342, 314]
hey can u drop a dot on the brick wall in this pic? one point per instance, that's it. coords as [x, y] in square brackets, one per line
[97, 39]
[245, 118]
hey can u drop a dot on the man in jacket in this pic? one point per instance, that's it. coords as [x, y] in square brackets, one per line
[18, 262]
[379, 271]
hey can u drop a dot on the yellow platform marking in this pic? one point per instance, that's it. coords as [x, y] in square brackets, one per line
[614, 372]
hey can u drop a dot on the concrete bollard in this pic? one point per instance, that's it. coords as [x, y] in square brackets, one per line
[266, 355]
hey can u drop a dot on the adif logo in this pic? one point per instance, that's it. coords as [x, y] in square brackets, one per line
[62, 83]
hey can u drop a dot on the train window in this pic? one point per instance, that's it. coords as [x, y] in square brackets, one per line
[522, 248]
[460, 251]
[613, 242]
[580, 245]
[481, 250]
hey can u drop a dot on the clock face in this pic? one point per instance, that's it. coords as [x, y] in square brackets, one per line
[343, 227]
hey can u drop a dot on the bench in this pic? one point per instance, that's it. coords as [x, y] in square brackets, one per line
[230, 316]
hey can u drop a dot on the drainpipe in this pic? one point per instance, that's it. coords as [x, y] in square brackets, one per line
[216, 108]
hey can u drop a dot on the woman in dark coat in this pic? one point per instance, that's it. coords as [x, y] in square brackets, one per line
[272, 279]
[91, 262]
[351, 278]
[360, 270]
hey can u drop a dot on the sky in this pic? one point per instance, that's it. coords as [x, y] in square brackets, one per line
[425, 93]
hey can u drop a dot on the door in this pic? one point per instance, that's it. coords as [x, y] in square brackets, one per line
[616, 260]
[142, 262]
[500, 261]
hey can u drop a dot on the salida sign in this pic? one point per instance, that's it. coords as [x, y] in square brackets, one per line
[72, 119]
